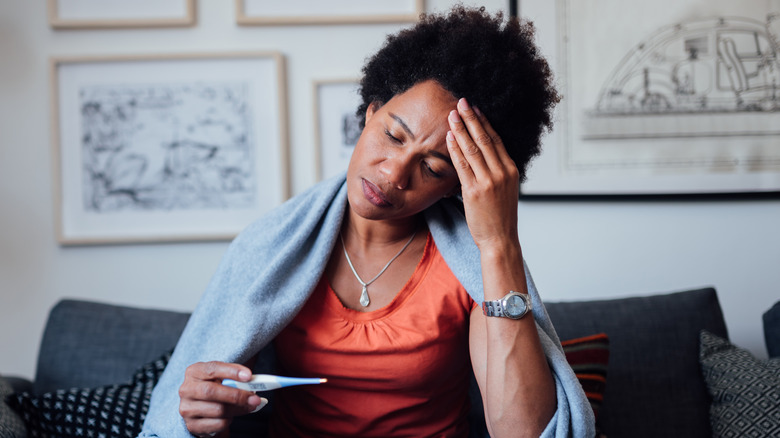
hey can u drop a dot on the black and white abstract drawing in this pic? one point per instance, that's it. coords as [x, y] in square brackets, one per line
[161, 147]
[174, 147]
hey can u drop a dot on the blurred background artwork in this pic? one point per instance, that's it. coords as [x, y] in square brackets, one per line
[337, 124]
[667, 97]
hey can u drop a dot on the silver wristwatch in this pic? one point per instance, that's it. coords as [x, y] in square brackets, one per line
[513, 305]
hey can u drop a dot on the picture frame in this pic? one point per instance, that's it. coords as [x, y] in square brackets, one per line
[103, 14]
[652, 105]
[166, 147]
[336, 124]
[271, 12]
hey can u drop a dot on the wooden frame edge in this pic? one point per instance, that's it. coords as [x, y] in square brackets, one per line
[284, 126]
[56, 164]
[243, 20]
[62, 24]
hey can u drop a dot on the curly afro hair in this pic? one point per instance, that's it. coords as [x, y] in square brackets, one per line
[494, 64]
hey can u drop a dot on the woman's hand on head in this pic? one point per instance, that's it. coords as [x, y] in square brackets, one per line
[490, 181]
[207, 406]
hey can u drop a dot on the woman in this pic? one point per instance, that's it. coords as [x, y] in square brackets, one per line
[377, 282]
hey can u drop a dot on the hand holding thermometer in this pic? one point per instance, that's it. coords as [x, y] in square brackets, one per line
[268, 382]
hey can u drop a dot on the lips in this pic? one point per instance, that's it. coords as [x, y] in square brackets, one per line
[375, 195]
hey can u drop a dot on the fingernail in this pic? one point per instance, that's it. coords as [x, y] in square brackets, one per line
[463, 104]
[244, 375]
[263, 402]
[454, 116]
[450, 136]
[476, 110]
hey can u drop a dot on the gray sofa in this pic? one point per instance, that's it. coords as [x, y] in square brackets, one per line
[654, 385]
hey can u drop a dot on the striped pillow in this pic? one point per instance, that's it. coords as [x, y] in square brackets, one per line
[588, 357]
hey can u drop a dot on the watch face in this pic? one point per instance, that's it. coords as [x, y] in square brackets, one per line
[514, 306]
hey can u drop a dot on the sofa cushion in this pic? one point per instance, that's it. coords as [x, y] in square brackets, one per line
[88, 344]
[589, 357]
[107, 411]
[772, 330]
[745, 391]
[654, 384]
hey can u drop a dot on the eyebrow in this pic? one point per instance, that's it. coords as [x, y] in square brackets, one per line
[403, 125]
[441, 156]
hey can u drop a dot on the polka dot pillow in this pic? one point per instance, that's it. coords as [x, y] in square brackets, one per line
[103, 412]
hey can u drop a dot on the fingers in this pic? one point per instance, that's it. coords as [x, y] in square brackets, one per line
[208, 419]
[477, 140]
[218, 370]
[206, 405]
[500, 148]
[470, 159]
[263, 402]
[461, 164]
[203, 382]
[476, 149]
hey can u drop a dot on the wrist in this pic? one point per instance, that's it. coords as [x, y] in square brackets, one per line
[496, 252]
[502, 270]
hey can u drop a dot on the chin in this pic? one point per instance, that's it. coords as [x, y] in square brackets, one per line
[365, 209]
[358, 204]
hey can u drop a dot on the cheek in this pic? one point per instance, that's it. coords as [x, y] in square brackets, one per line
[364, 150]
[358, 156]
[450, 184]
[442, 190]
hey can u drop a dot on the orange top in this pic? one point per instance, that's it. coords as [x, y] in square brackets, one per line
[402, 370]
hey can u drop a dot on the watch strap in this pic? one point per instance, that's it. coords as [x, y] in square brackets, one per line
[492, 308]
[496, 308]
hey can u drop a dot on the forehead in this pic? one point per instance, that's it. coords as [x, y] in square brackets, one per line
[426, 97]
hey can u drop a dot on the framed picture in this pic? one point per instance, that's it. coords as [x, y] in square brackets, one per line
[337, 126]
[260, 12]
[660, 98]
[167, 147]
[75, 14]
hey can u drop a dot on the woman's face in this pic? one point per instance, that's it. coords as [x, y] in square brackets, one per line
[400, 165]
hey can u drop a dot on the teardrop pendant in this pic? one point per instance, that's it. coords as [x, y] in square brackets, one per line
[364, 301]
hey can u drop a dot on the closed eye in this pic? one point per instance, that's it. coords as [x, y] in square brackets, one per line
[430, 171]
[392, 138]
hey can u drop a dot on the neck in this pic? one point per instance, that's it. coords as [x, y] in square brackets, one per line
[364, 233]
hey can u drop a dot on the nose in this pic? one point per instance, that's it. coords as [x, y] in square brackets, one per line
[397, 169]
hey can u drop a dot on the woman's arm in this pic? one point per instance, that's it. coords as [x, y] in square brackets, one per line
[509, 362]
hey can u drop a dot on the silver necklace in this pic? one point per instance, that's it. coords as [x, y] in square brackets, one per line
[364, 301]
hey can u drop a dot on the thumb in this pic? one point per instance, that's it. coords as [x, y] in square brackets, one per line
[258, 402]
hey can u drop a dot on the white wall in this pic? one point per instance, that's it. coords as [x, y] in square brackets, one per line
[577, 250]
